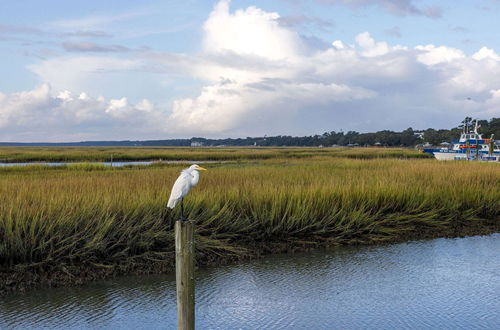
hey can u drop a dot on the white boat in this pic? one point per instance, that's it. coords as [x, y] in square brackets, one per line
[470, 146]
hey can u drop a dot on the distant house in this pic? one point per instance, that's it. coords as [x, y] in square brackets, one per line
[420, 135]
[196, 144]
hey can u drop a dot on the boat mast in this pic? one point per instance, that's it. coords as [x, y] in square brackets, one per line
[492, 145]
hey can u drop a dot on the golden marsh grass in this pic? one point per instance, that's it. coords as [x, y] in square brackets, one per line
[85, 154]
[116, 218]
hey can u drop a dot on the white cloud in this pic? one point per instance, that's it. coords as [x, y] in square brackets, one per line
[367, 86]
[224, 107]
[258, 75]
[432, 55]
[251, 31]
[486, 53]
[37, 115]
[370, 47]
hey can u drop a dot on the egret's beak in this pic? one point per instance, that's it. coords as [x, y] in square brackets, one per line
[201, 168]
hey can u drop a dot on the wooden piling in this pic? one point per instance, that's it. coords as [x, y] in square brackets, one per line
[184, 269]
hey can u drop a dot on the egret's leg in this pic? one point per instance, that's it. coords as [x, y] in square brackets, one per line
[182, 209]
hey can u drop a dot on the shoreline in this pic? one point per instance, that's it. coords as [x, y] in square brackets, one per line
[23, 278]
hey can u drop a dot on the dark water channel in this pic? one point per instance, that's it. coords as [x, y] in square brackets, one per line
[435, 284]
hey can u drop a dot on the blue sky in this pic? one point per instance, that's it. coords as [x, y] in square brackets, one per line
[93, 70]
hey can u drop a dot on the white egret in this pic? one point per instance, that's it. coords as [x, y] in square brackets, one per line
[188, 179]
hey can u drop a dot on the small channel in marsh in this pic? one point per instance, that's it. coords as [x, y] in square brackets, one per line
[113, 164]
[431, 284]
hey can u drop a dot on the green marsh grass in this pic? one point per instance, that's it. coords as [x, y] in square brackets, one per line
[79, 218]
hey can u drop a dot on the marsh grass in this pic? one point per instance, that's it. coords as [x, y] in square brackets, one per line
[103, 154]
[95, 217]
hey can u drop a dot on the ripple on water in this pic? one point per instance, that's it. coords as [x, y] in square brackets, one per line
[443, 283]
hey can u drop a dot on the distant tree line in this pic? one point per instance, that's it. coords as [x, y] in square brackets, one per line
[406, 138]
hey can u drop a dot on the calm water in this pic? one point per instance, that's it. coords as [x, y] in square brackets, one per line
[437, 284]
[113, 164]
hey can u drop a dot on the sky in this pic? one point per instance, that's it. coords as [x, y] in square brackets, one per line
[136, 70]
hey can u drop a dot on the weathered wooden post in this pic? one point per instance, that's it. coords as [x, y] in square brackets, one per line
[184, 248]
[184, 269]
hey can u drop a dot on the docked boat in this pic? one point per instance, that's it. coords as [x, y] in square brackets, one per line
[470, 146]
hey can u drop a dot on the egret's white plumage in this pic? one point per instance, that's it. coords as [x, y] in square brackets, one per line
[188, 179]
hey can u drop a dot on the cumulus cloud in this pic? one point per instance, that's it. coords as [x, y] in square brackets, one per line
[251, 31]
[432, 55]
[258, 76]
[253, 83]
[226, 106]
[370, 47]
[37, 115]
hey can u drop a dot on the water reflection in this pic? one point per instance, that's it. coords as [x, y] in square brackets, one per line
[443, 283]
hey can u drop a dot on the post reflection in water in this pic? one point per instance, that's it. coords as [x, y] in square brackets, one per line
[442, 283]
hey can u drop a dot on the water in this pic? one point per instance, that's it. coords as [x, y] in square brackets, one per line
[437, 284]
[113, 164]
